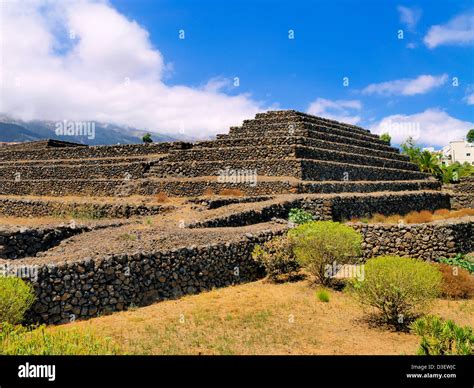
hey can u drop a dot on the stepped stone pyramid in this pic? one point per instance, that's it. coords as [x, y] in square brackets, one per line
[277, 152]
[315, 154]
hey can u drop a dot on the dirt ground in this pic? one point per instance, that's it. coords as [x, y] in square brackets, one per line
[261, 318]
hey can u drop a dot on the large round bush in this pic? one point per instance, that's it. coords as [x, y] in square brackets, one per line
[320, 244]
[398, 287]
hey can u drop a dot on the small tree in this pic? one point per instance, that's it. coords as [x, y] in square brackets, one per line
[147, 138]
[386, 137]
[470, 136]
[320, 244]
[410, 148]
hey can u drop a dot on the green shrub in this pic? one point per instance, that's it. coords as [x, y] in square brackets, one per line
[88, 214]
[440, 337]
[398, 287]
[277, 257]
[22, 341]
[323, 296]
[16, 297]
[386, 138]
[299, 216]
[458, 261]
[455, 171]
[318, 244]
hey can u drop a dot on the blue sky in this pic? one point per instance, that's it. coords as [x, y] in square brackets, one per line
[426, 78]
[333, 39]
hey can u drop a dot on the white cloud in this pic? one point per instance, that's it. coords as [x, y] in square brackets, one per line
[110, 72]
[409, 16]
[407, 86]
[345, 111]
[469, 96]
[457, 31]
[432, 127]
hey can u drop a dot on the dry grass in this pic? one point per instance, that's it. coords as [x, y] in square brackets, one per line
[416, 217]
[161, 197]
[444, 212]
[208, 193]
[457, 282]
[260, 318]
[232, 192]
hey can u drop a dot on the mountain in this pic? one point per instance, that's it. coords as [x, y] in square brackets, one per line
[12, 130]
[15, 133]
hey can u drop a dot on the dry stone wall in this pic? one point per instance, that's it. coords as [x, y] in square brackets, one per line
[84, 289]
[462, 193]
[318, 170]
[267, 213]
[11, 207]
[16, 243]
[328, 143]
[213, 168]
[109, 170]
[193, 188]
[336, 208]
[424, 241]
[346, 207]
[92, 152]
[231, 152]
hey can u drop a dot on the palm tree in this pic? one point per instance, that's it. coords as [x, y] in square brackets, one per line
[429, 163]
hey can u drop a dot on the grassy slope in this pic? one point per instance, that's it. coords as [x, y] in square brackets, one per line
[259, 318]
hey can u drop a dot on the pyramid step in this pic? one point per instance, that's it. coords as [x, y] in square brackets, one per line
[185, 187]
[274, 152]
[305, 169]
[250, 167]
[278, 185]
[298, 116]
[273, 129]
[313, 122]
[367, 187]
[249, 124]
[328, 170]
[303, 141]
[93, 151]
[320, 135]
[73, 171]
[89, 161]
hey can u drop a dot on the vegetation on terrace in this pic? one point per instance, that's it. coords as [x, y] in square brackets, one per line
[430, 162]
[416, 217]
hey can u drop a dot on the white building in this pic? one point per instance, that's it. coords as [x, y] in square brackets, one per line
[458, 151]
